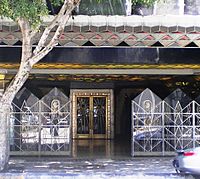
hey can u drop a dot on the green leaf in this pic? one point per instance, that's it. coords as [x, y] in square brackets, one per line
[31, 10]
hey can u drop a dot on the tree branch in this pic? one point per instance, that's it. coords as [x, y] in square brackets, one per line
[48, 29]
[24, 68]
[62, 20]
[42, 53]
[26, 43]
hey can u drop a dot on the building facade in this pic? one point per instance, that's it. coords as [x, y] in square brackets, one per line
[111, 78]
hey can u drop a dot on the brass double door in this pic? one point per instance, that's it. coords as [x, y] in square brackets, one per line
[90, 116]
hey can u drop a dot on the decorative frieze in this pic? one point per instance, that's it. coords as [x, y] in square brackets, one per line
[134, 31]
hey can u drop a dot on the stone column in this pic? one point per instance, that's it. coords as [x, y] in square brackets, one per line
[181, 7]
[128, 5]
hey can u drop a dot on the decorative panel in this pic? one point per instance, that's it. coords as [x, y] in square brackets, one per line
[40, 126]
[162, 127]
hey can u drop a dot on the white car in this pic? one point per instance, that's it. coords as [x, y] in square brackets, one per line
[188, 161]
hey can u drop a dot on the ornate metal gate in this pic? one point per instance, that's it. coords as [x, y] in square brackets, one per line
[162, 127]
[40, 127]
[92, 111]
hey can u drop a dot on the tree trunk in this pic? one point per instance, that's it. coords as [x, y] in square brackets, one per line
[5, 106]
[28, 59]
[4, 136]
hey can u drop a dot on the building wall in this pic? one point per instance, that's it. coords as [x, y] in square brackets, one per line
[192, 7]
[174, 7]
[119, 7]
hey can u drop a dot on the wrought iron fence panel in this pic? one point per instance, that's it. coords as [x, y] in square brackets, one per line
[147, 122]
[172, 124]
[40, 126]
[196, 121]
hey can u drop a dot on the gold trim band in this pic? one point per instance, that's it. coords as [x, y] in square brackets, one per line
[104, 66]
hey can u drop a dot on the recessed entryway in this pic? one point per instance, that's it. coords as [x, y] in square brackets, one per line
[92, 114]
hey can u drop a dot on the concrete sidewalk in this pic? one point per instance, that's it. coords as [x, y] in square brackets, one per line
[56, 168]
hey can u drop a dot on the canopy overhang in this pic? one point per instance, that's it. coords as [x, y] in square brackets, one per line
[134, 31]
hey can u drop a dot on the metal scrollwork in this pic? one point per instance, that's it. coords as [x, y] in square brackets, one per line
[40, 126]
[164, 126]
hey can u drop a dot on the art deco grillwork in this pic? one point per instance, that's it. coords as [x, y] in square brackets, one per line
[92, 111]
[83, 115]
[96, 123]
[162, 127]
[99, 115]
[40, 126]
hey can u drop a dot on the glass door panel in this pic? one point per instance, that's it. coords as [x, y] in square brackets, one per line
[83, 115]
[91, 116]
[99, 115]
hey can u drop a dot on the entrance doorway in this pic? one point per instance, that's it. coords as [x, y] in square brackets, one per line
[91, 114]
